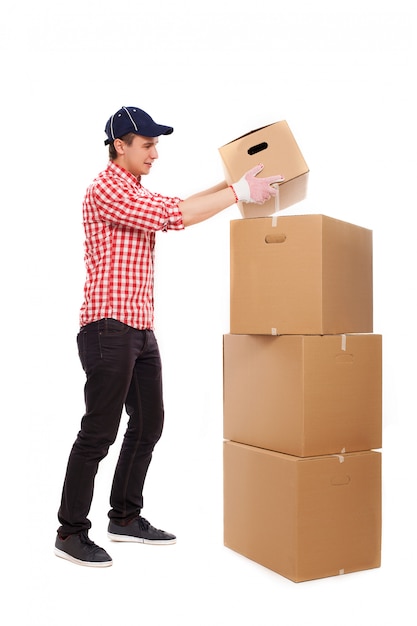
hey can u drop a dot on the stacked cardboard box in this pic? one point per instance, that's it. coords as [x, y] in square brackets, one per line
[302, 395]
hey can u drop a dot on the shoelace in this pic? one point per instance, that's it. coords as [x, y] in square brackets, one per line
[143, 523]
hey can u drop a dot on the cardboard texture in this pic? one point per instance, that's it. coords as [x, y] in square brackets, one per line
[303, 518]
[301, 275]
[304, 395]
[274, 146]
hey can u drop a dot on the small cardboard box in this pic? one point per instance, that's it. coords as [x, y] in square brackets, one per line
[301, 275]
[303, 518]
[304, 395]
[275, 147]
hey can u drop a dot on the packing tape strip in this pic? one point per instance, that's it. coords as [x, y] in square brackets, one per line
[274, 221]
[344, 343]
[340, 457]
[277, 199]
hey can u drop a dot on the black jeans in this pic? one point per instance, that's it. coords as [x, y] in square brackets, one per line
[123, 369]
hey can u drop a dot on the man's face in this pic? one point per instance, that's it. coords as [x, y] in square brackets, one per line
[139, 156]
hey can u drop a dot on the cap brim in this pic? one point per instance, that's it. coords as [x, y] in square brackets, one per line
[163, 130]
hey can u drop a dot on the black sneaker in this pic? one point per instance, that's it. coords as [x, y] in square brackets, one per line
[140, 531]
[81, 550]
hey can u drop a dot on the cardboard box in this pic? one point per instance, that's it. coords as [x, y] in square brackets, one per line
[303, 518]
[304, 395]
[301, 275]
[275, 147]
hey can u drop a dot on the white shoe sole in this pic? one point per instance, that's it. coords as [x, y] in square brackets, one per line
[68, 557]
[153, 542]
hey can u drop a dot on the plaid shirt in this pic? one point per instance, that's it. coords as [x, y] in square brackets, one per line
[120, 221]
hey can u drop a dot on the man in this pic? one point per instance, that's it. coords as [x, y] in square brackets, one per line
[116, 342]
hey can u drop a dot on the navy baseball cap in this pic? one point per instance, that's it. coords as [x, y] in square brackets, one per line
[133, 120]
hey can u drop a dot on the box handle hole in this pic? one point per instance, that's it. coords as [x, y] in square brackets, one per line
[340, 480]
[278, 238]
[258, 148]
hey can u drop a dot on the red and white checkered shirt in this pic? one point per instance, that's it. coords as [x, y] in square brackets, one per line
[121, 218]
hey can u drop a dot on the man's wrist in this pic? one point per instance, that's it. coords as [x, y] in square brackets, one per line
[241, 190]
[234, 193]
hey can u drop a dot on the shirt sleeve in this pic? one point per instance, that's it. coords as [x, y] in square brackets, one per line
[135, 207]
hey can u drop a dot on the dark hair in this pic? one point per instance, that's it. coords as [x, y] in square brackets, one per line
[126, 138]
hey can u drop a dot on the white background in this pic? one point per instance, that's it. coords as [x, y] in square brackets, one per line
[343, 76]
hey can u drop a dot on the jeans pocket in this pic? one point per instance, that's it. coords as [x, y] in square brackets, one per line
[110, 327]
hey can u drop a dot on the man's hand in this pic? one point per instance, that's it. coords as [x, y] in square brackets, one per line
[252, 189]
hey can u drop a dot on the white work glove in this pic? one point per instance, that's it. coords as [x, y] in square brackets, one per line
[252, 189]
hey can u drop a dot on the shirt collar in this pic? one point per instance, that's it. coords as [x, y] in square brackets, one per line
[120, 171]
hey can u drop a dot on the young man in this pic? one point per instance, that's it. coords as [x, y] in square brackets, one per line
[116, 342]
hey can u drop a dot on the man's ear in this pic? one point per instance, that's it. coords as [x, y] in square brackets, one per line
[119, 146]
